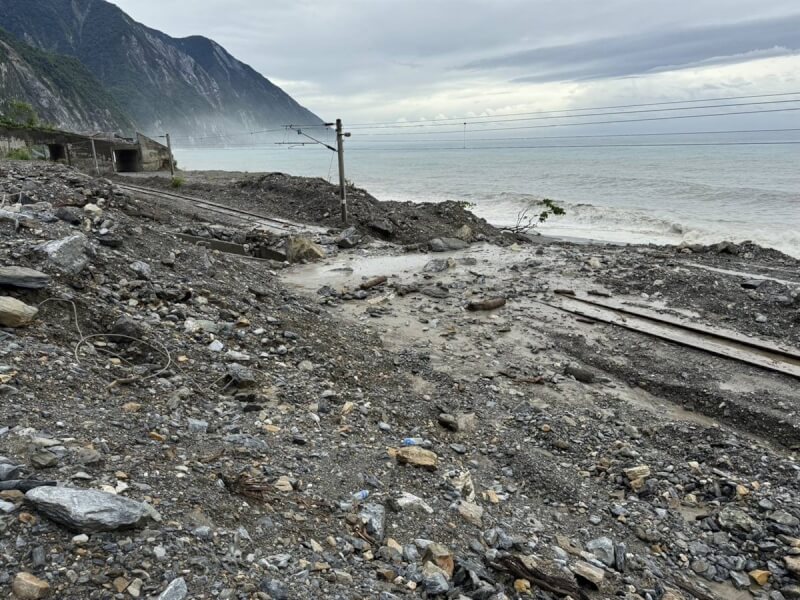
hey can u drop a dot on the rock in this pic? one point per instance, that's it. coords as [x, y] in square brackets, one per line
[792, 564]
[640, 472]
[732, 518]
[603, 549]
[580, 374]
[246, 441]
[373, 517]
[29, 587]
[176, 590]
[436, 584]
[459, 423]
[740, 580]
[90, 510]
[489, 304]
[417, 457]
[441, 557]
[783, 517]
[241, 376]
[465, 233]
[14, 313]
[446, 244]
[471, 513]
[22, 277]
[410, 501]
[142, 269]
[437, 265]
[69, 254]
[759, 576]
[129, 327]
[348, 238]
[434, 291]
[382, 226]
[299, 249]
[594, 575]
[274, 589]
[71, 214]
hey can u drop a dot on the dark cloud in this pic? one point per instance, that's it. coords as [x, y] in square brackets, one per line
[652, 52]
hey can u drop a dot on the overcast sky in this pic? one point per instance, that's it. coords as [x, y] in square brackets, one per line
[368, 60]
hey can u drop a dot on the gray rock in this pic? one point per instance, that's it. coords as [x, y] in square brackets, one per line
[240, 376]
[70, 254]
[176, 590]
[732, 518]
[740, 580]
[90, 510]
[373, 516]
[383, 227]
[8, 471]
[22, 277]
[446, 243]
[603, 549]
[348, 238]
[580, 374]
[246, 441]
[436, 584]
[197, 425]
[434, 291]
[142, 269]
[70, 214]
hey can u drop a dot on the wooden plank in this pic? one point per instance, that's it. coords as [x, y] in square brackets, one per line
[725, 334]
[679, 336]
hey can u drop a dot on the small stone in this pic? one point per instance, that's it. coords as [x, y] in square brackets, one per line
[436, 584]
[759, 576]
[29, 587]
[176, 590]
[410, 501]
[522, 586]
[417, 457]
[440, 556]
[590, 573]
[14, 313]
[792, 564]
[472, 513]
[603, 549]
[120, 584]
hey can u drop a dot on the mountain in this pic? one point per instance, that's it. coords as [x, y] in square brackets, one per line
[188, 87]
[60, 89]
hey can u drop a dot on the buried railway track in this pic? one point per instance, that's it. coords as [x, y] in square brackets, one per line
[721, 342]
[270, 223]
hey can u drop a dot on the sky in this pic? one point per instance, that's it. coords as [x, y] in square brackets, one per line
[388, 60]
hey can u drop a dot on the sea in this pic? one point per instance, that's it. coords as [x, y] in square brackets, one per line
[660, 193]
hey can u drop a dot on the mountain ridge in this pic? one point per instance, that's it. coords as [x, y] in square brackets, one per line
[191, 87]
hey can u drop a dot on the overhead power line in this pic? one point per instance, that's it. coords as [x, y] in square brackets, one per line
[556, 146]
[597, 114]
[569, 137]
[606, 122]
[460, 120]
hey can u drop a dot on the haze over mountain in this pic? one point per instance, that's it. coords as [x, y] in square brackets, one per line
[188, 87]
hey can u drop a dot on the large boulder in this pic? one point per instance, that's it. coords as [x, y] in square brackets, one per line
[14, 313]
[299, 249]
[348, 238]
[90, 511]
[70, 254]
[23, 277]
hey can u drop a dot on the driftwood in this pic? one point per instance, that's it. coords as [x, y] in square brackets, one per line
[559, 586]
[374, 282]
[489, 304]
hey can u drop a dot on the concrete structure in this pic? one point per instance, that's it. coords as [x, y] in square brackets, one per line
[114, 153]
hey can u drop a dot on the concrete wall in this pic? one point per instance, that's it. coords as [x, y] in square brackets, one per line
[155, 156]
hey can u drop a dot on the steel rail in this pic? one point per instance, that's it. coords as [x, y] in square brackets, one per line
[713, 341]
[216, 207]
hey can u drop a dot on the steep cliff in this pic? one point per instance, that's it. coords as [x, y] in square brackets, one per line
[59, 88]
[190, 86]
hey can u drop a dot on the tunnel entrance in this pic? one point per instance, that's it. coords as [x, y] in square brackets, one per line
[57, 152]
[127, 161]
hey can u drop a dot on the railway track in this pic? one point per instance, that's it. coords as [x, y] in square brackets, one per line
[270, 223]
[728, 344]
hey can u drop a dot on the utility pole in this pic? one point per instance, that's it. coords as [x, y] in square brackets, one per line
[171, 159]
[342, 183]
[94, 156]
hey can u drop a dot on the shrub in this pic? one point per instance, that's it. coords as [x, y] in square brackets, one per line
[19, 154]
[177, 182]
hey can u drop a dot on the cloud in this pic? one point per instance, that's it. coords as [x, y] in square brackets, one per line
[394, 59]
[652, 52]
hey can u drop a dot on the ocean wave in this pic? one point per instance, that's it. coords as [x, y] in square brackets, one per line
[628, 225]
